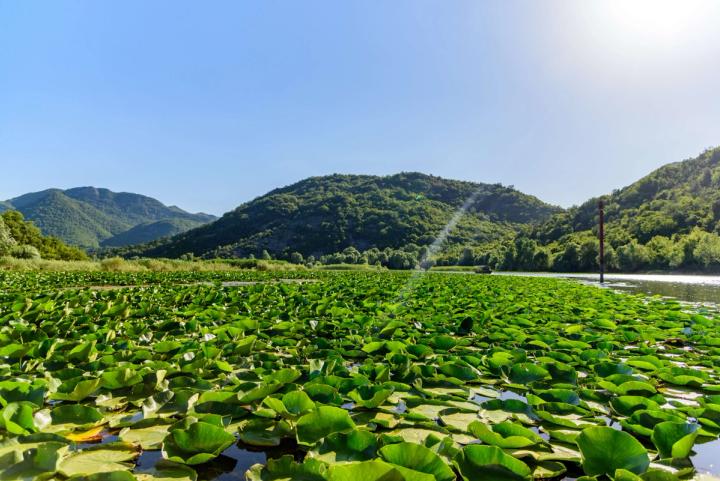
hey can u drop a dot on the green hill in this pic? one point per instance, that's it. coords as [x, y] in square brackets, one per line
[324, 215]
[668, 220]
[150, 231]
[673, 199]
[21, 239]
[90, 217]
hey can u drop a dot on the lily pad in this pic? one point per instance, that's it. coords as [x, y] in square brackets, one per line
[324, 420]
[196, 444]
[605, 450]
[418, 458]
[491, 463]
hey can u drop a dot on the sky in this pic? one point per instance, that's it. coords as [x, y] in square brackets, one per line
[207, 105]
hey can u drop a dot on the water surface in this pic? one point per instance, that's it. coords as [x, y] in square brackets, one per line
[686, 288]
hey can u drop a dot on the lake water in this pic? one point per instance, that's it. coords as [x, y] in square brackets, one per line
[687, 288]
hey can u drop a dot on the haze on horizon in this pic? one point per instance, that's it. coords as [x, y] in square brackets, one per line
[209, 105]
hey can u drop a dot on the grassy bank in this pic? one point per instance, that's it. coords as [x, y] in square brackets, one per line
[349, 267]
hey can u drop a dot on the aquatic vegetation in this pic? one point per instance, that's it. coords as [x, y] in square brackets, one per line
[349, 376]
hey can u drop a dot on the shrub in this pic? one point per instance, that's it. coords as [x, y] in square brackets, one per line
[25, 252]
[118, 264]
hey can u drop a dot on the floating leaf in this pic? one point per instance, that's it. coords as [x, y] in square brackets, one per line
[323, 421]
[605, 449]
[75, 414]
[504, 435]
[165, 470]
[103, 458]
[491, 463]
[418, 458]
[196, 444]
[374, 470]
[674, 440]
[285, 469]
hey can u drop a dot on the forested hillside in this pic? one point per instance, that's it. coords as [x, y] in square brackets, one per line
[668, 220]
[91, 217]
[320, 216]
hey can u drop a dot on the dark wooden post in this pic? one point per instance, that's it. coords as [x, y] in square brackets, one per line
[601, 235]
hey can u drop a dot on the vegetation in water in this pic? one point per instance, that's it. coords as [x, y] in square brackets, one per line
[349, 375]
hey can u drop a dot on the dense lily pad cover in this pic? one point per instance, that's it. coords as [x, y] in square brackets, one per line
[349, 376]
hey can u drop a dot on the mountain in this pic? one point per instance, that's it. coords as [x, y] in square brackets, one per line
[92, 217]
[323, 215]
[674, 199]
[150, 231]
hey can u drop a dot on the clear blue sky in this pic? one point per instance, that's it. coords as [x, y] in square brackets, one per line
[209, 104]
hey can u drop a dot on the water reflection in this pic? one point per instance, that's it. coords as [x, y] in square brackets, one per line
[707, 457]
[242, 460]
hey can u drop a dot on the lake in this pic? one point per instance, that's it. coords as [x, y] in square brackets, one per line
[686, 288]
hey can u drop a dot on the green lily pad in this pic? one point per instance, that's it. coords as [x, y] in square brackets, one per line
[418, 458]
[17, 418]
[285, 469]
[504, 435]
[491, 463]
[375, 470]
[165, 470]
[356, 445]
[75, 414]
[103, 458]
[149, 434]
[674, 440]
[196, 444]
[264, 432]
[322, 421]
[605, 449]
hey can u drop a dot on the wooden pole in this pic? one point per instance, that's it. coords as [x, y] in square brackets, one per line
[601, 235]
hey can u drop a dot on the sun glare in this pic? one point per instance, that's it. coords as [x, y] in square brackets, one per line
[617, 37]
[656, 23]
[655, 20]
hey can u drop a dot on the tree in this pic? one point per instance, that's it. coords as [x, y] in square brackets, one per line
[525, 250]
[351, 256]
[296, 258]
[568, 259]
[541, 260]
[707, 250]
[6, 240]
[589, 255]
[663, 253]
[402, 260]
[633, 256]
[467, 258]
[265, 255]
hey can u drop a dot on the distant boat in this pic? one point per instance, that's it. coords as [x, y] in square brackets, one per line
[482, 270]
